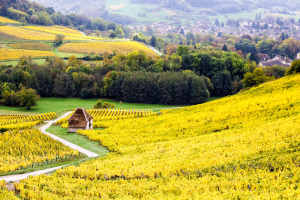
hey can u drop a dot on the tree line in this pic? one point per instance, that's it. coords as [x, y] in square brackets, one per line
[185, 77]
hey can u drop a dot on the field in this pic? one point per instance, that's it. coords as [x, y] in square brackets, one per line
[56, 30]
[7, 54]
[116, 7]
[70, 33]
[101, 47]
[32, 46]
[11, 121]
[31, 34]
[58, 105]
[9, 38]
[241, 147]
[7, 21]
[22, 149]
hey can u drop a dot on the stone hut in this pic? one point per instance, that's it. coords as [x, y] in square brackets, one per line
[80, 120]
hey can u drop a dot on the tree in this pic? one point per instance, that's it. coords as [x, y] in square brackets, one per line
[153, 41]
[255, 78]
[182, 50]
[282, 36]
[222, 83]
[98, 33]
[172, 49]
[119, 32]
[112, 35]
[217, 23]
[88, 32]
[112, 26]
[254, 57]
[28, 98]
[34, 18]
[159, 66]
[59, 39]
[224, 48]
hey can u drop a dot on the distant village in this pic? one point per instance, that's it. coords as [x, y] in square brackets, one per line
[246, 27]
[272, 30]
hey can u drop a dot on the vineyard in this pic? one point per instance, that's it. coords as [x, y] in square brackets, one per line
[244, 146]
[7, 21]
[61, 30]
[103, 118]
[101, 47]
[23, 149]
[32, 46]
[6, 54]
[55, 30]
[31, 34]
[9, 38]
[23, 121]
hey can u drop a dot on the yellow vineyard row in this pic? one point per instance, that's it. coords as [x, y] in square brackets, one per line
[31, 46]
[7, 21]
[101, 47]
[7, 54]
[22, 149]
[61, 30]
[31, 34]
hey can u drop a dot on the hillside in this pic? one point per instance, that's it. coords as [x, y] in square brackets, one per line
[142, 12]
[239, 147]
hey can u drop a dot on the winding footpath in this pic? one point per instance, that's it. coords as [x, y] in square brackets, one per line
[155, 50]
[69, 144]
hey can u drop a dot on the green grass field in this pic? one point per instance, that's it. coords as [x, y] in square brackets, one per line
[61, 105]
[66, 55]
[79, 140]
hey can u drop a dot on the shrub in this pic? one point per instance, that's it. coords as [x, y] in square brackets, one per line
[105, 105]
[295, 68]
[98, 104]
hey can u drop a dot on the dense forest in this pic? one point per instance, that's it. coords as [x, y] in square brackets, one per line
[185, 77]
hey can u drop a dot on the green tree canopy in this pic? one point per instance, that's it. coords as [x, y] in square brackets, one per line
[28, 98]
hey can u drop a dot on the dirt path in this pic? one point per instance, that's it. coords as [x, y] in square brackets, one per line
[43, 130]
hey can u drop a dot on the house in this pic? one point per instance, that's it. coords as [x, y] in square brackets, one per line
[80, 120]
[277, 60]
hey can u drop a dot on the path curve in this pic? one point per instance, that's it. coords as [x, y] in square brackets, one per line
[43, 130]
[155, 50]
[69, 144]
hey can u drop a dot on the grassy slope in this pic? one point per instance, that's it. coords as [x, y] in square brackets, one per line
[58, 105]
[133, 10]
[79, 140]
